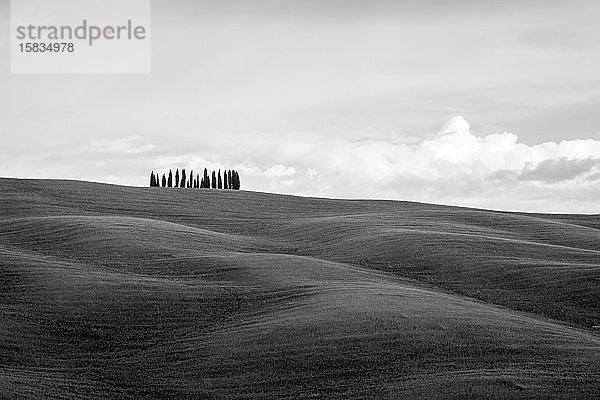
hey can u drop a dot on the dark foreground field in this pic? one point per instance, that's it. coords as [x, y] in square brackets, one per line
[118, 292]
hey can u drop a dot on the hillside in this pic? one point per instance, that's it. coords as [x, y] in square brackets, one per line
[120, 292]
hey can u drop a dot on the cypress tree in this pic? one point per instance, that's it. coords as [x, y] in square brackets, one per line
[220, 185]
[164, 181]
[229, 177]
[225, 180]
[152, 179]
[183, 180]
[214, 180]
[177, 178]
[170, 179]
[206, 179]
[236, 180]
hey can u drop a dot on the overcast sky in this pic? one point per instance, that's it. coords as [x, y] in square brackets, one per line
[479, 103]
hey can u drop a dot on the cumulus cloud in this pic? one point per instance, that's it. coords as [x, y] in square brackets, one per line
[455, 165]
[563, 169]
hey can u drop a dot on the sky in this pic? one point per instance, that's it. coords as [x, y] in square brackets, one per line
[474, 103]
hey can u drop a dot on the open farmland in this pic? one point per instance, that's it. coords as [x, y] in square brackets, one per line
[121, 292]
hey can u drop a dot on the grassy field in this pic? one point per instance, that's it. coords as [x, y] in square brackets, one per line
[120, 292]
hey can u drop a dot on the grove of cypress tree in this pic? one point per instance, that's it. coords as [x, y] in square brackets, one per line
[220, 184]
[170, 179]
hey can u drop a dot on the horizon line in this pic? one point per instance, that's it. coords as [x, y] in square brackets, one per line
[303, 196]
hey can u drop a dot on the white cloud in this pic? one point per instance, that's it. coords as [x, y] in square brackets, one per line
[455, 166]
[456, 126]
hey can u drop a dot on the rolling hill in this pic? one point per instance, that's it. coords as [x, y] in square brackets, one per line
[121, 292]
